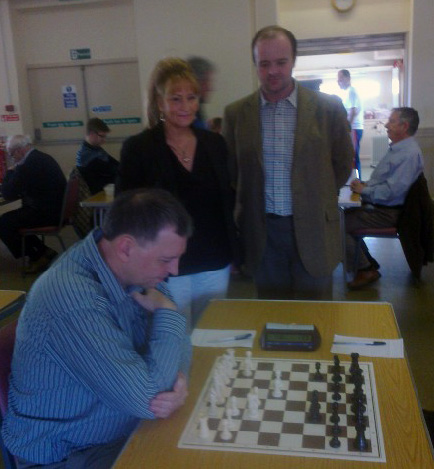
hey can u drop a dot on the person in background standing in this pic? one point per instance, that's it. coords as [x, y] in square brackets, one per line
[354, 107]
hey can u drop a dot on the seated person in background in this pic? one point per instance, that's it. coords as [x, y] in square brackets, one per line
[38, 180]
[96, 166]
[384, 194]
[95, 352]
[215, 124]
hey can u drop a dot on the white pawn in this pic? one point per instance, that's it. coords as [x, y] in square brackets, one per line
[231, 423]
[213, 411]
[277, 388]
[225, 433]
[247, 368]
[230, 352]
[203, 428]
[253, 405]
[234, 406]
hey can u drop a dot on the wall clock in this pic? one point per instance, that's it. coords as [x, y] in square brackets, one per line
[343, 5]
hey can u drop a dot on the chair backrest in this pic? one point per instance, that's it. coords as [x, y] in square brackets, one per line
[82, 220]
[70, 201]
[7, 341]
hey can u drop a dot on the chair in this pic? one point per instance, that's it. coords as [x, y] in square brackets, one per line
[69, 207]
[7, 340]
[415, 228]
[83, 217]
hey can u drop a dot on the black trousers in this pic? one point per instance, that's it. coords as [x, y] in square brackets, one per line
[24, 217]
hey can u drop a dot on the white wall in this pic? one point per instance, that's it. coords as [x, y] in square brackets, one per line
[309, 19]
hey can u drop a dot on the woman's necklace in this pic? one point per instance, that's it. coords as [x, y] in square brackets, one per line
[181, 153]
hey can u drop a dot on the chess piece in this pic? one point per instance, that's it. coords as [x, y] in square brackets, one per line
[234, 406]
[225, 433]
[277, 387]
[314, 414]
[336, 388]
[213, 410]
[360, 442]
[231, 423]
[247, 366]
[203, 428]
[334, 442]
[253, 405]
[317, 376]
[337, 364]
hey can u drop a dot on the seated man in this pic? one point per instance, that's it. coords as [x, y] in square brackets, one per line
[98, 347]
[384, 194]
[96, 166]
[38, 180]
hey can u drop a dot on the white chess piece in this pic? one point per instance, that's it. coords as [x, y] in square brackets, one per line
[247, 367]
[231, 423]
[277, 385]
[225, 433]
[213, 411]
[253, 405]
[234, 406]
[203, 428]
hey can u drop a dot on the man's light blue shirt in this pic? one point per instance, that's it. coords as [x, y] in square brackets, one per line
[278, 124]
[396, 172]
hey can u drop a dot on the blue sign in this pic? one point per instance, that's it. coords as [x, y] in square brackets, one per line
[69, 94]
[107, 108]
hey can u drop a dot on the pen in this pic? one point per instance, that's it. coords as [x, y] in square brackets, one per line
[229, 339]
[375, 342]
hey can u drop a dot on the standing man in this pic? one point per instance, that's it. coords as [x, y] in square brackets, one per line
[290, 152]
[97, 167]
[204, 71]
[384, 194]
[354, 108]
[98, 347]
[37, 179]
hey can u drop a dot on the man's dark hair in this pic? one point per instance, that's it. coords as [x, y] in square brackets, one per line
[409, 115]
[201, 67]
[96, 125]
[143, 213]
[270, 32]
[346, 73]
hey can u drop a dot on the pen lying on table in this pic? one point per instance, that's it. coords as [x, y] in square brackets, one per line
[375, 342]
[230, 339]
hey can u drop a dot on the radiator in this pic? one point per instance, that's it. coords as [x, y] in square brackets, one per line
[380, 145]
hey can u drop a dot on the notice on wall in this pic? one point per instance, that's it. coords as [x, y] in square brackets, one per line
[69, 96]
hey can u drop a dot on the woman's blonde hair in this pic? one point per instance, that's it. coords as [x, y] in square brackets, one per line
[167, 71]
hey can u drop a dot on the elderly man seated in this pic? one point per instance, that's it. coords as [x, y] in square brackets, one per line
[384, 194]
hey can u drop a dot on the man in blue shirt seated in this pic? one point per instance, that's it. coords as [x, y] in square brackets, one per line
[98, 346]
[384, 194]
[97, 167]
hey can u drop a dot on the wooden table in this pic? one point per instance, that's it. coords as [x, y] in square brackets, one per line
[406, 442]
[10, 302]
[99, 202]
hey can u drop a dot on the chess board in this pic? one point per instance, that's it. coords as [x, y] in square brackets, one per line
[283, 426]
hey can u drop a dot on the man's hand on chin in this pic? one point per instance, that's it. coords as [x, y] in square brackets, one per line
[153, 300]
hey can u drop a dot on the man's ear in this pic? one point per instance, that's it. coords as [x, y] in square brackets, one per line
[124, 245]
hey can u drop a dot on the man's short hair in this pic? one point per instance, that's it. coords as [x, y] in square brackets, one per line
[143, 213]
[409, 115]
[346, 73]
[17, 141]
[270, 32]
[96, 125]
[201, 67]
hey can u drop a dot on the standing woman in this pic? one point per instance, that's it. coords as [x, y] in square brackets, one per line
[191, 164]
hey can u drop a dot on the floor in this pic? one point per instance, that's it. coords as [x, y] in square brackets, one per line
[412, 300]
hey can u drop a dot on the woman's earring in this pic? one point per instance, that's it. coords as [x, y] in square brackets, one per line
[162, 118]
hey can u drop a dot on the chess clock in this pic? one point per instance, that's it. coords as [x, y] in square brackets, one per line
[292, 337]
[343, 5]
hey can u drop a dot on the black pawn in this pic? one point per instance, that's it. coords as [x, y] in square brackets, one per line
[337, 364]
[317, 376]
[336, 388]
[334, 442]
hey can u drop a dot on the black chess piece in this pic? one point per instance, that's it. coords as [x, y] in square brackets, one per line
[334, 442]
[336, 388]
[314, 414]
[337, 364]
[360, 442]
[354, 362]
[318, 376]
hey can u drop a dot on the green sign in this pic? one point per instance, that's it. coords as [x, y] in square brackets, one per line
[79, 54]
[53, 125]
[123, 120]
